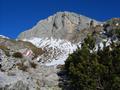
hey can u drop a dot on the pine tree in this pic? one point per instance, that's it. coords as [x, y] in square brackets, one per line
[96, 70]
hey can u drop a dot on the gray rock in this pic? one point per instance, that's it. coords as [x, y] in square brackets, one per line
[20, 86]
[62, 25]
[52, 80]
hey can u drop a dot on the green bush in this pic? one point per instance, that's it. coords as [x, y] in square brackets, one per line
[94, 70]
[17, 55]
[22, 67]
[33, 65]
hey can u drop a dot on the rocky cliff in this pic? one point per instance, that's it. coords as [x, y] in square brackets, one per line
[62, 25]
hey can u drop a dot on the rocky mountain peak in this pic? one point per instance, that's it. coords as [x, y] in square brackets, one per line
[62, 25]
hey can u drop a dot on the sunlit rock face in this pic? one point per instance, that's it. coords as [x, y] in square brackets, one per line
[62, 25]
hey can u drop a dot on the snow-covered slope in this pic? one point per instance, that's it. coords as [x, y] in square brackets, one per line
[56, 50]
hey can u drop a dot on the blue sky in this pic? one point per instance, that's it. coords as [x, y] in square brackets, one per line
[19, 15]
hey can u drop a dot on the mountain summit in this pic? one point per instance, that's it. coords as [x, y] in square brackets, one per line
[62, 25]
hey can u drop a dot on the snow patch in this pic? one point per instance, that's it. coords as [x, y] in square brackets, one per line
[2, 36]
[59, 49]
[60, 61]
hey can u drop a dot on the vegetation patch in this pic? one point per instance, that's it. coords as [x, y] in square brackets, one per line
[17, 55]
[33, 65]
[22, 67]
[88, 69]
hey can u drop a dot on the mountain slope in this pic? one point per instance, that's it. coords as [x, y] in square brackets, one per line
[59, 35]
[55, 50]
[2, 36]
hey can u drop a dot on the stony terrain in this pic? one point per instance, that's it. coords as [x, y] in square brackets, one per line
[24, 72]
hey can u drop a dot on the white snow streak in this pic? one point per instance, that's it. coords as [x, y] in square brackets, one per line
[65, 48]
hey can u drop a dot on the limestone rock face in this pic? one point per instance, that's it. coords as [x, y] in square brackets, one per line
[62, 25]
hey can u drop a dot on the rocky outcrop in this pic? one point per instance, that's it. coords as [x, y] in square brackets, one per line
[62, 25]
[26, 74]
[10, 46]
